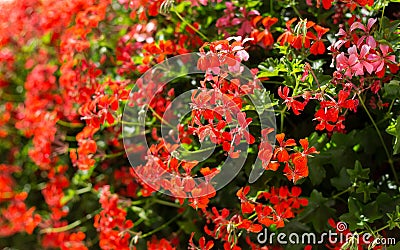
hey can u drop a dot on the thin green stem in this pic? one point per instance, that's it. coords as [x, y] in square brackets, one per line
[114, 155]
[162, 226]
[160, 118]
[136, 223]
[188, 24]
[69, 138]
[296, 10]
[383, 14]
[70, 124]
[314, 76]
[273, 82]
[282, 118]
[341, 193]
[390, 160]
[271, 7]
[382, 228]
[390, 107]
[155, 200]
[167, 203]
[252, 216]
[138, 124]
[69, 226]
[138, 202]
[84, 190]
[203, 150]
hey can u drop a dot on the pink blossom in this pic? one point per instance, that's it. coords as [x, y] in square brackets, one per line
[351, 65]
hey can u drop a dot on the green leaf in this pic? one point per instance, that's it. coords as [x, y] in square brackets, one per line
[316, 172]
[394, 218]
[397, 246]
[392, 89]
[318, 211]
[371, 211]
[360, 215]
[367, 189]
[387, 203]
[342, 181]
[358, 172]
[352, 218]
[394, 129]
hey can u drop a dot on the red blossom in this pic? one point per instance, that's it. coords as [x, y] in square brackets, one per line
[291, 102]
[264, 36]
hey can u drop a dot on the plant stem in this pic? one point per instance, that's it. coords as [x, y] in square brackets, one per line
[295, 9]
[138, 124]
[114, 155]
[340, 193]
[84, 190]
[383, 13]
[160, 118]
[167, 203]
[191, 26]
[315, 77]
[138, 202]
[390, 107]
[382, 228]
[283, 118]
[69, 124]
[271, 7]
[69, 138]
[161, 227]
[390, 160]
[69, 226]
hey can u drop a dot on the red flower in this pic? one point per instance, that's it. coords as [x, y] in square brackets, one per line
[287, 36]
[265, 35]
[299, 170]
[203, 245]
[318, 46]
[161, 244]
[250, 226]
[291, 103]
[111, 222]
[246, 205]
[281, 153]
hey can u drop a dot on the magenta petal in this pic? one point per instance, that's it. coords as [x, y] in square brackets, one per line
[352, 60]
[357, 25]
[368, 67]
[371, 22]
[391, 58]
[380, 67]
[371, 42]
[384, 48]
[364, 50]
[352, 50]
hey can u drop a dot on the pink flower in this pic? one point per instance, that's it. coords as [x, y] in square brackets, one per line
[363, 58]
[379, 60]
[369, 40]
[351, 65]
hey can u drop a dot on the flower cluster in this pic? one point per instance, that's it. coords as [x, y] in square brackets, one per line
[111, 222]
